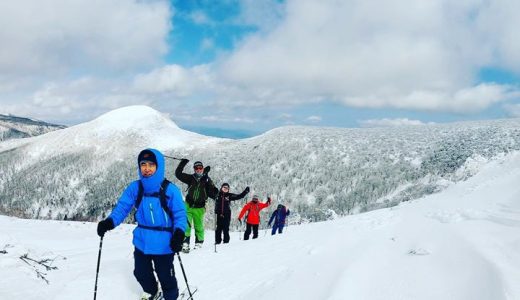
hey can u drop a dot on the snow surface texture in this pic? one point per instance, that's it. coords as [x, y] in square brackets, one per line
[78, 173]
[461, 243]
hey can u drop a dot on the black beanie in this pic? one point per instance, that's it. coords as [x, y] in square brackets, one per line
[224, 184]
[146, 155]
[198, 164]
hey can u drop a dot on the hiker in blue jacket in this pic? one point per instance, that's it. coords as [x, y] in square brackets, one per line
[279, 216]
[161, 219]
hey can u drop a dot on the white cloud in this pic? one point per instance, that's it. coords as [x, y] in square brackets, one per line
[464, 100]
[56, 37]
[420, 55]
[207, 44]
[264, 15]
[175, 79]
[225, 119]
[285, 116]
[314, 119]
[200, 18]
[77, 100]
[513, 110]
[390, 122]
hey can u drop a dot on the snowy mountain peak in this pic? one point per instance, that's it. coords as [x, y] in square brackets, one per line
[134, 117]
[121, 133]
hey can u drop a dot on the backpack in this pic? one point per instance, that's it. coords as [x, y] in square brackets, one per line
[198, 193]
[164, 202]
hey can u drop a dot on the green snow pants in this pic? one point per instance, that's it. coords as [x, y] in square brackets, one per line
[195, 219]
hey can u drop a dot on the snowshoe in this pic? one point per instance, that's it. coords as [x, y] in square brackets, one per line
[185, 295]
[186, 248]
[147, 296]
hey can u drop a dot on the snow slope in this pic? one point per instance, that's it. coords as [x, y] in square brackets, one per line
[461, 243]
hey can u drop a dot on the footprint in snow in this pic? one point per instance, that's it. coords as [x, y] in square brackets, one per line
[418, 251]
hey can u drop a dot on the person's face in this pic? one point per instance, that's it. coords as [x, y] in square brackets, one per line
[225, 189]
[148, 168]
[198, 169]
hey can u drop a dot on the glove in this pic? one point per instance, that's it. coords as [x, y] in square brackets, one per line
[204, 178]
[104, 226]
[207, 169]
[240, 220]
[185, 160]
[268, 200]
[176, 240]
[246, 191]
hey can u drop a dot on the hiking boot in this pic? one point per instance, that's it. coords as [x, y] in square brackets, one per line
[186, 248]
[197, 246]
[157, 296]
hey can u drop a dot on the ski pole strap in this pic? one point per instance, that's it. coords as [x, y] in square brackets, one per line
[168, 229]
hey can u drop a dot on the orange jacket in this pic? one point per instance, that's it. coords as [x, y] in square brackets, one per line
[254, 208]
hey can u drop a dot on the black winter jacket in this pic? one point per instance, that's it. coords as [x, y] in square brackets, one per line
[195, 199]
[222, 201]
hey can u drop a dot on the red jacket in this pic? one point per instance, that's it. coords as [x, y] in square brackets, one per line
[254, 208]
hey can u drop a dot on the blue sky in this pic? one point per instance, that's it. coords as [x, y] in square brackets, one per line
[237, 68]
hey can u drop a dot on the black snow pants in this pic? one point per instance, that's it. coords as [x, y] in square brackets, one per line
[144, 269]
[248, 231]
[223, 222]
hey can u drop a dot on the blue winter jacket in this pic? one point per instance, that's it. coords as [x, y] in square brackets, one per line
[150, 213]
[279, 216]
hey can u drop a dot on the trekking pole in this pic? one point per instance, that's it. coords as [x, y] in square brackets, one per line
[97, 269]
[216, 216]
[172, 157]
[184, 274]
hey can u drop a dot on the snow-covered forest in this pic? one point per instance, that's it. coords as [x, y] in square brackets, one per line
[77, 173]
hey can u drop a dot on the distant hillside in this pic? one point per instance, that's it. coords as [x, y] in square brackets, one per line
[12, 127]
[79, 172]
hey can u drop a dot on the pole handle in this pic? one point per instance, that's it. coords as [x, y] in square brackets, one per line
[172, 157]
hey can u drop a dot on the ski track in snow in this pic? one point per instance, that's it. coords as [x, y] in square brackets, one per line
[462, 243]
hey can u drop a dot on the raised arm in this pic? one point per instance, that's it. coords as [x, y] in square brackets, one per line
[211, 189]
[266, 204]
[183, 177]
[212, 192]
[233, 197]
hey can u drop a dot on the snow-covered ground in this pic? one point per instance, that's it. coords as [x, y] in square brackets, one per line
[462, 243]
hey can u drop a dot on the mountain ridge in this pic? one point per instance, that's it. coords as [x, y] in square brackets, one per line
[78, 173]
[15, 127]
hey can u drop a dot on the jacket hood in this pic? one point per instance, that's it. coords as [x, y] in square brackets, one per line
[153, 183]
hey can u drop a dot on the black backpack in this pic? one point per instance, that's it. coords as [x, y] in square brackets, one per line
[198, 193]
[164, 202]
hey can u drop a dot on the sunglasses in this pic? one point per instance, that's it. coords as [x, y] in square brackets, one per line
[199, 168]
